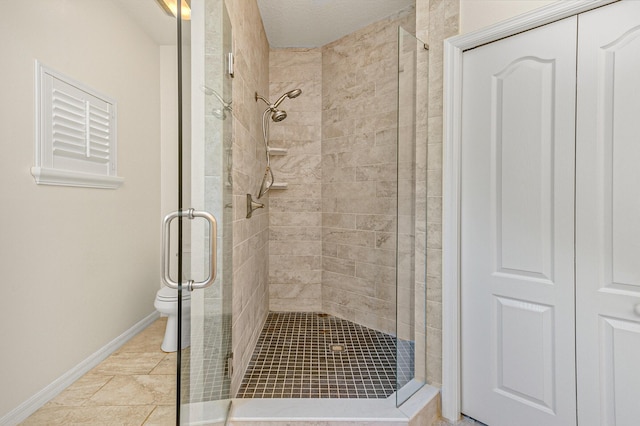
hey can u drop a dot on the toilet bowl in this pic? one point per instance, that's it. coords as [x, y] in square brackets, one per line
[167, 303]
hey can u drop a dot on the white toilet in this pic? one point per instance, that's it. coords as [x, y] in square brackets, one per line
[167, 303]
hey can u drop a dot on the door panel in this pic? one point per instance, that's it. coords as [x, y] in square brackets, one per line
[533, 349]
[607, 216]
[522, 110]
[204, 367]
[517, 229]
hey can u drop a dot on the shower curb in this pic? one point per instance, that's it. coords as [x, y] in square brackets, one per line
[422, 409]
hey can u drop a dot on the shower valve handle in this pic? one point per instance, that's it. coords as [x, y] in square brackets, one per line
[252, 205]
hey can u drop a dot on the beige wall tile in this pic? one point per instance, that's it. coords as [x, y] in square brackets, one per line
[339, 266]
[294, 262]
[303, 248]
[376, 273]
[295, 233]
[289, 204]
[345, 283]
[283, 276]
[345, 236]
[367, 255]
[300, 305]
[295, 219]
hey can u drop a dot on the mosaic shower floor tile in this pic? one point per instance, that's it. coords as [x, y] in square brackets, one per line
[312, 355]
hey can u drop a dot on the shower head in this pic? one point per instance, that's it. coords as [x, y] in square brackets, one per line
[273, 106]
[278, 115]
[290, 94]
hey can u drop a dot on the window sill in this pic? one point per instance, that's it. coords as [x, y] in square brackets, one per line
[46, 176]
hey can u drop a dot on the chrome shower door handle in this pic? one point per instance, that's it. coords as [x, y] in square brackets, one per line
[166, 241]
[213, 249]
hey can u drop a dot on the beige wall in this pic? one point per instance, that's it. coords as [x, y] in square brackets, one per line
[79, 266]
[250, 236]
[295, 219]
[476, 14]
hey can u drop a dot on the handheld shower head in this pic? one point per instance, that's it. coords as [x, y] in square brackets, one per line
[274, 106]
[290, 94]
[276, 115]
[294, 93]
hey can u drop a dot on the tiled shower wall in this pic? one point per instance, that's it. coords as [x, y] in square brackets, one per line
[437, 20]
[250, 236]
[359, 89]
[341, 176]
[295, 219]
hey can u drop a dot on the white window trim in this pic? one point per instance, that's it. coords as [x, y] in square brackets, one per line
[46, 175]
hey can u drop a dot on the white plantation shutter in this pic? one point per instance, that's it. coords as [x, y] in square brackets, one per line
[76, 137]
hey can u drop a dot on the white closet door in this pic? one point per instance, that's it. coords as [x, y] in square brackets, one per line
[517, 229]
[608, 216]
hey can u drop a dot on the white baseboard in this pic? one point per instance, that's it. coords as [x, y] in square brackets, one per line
[30, 406]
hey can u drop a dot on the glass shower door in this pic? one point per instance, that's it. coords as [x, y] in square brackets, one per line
[413, 67]
[204, 216]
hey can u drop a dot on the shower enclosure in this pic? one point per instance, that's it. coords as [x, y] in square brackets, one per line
[206, 184]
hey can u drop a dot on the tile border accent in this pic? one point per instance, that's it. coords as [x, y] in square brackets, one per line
[31, 405]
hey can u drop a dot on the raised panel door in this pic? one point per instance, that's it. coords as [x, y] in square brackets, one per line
[517, 239]
[608, 216]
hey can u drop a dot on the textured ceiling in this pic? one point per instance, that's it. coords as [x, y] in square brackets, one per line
[313, 23]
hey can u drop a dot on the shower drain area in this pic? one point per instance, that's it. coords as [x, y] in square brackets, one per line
[314, 355]
[337, 348]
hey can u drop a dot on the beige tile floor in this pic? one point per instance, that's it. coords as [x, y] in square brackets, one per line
[133, 386]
